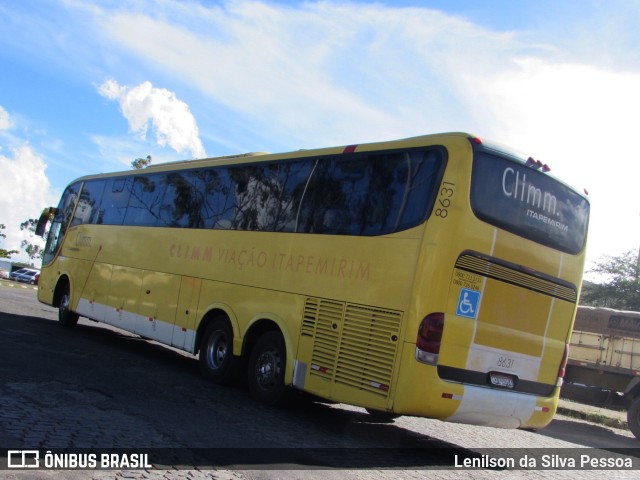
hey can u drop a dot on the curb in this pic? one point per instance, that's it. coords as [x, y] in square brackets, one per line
[9, 283]
[594, 417]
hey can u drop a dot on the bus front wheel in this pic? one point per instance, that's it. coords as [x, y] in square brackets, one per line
[217, 362]
[66, 316]
[267, 365]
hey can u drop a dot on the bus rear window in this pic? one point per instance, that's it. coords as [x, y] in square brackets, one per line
[528, 203]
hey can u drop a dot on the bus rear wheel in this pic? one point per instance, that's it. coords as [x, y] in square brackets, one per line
[66, 316]
[267, 365]
[216, 358]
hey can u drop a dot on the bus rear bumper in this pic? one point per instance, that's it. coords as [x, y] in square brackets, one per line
[502, 409]
[422, 393]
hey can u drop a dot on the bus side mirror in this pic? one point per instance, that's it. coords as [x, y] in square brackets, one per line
[46, 215]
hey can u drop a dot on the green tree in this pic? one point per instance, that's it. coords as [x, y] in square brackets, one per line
[140, 163]
[621, 286]
[5, 253]
[33, 251]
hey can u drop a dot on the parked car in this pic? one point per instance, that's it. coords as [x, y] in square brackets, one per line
[30, 276]
[14, 275]
[4, 273]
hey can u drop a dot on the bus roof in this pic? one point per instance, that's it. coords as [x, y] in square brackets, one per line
[258, 157]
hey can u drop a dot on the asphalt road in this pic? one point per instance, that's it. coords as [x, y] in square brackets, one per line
[95, 387]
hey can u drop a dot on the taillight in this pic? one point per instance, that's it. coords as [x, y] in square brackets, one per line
[563, 365]
[350, 149]
[429, 338]
[537, 164]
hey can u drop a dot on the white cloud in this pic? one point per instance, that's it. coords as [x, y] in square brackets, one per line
[581, 120]
[170, 118]
[321, 73]
[24, 192]
[327, 73]
[5, 121]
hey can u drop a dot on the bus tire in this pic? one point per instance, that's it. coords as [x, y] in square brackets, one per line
[66, 317]
[217, 362]
[267, 365]
[633, 417]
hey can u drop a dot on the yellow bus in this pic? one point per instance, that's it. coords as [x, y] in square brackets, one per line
[434, 276]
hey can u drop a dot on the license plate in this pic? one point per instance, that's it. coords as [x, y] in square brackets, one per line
[502, 380]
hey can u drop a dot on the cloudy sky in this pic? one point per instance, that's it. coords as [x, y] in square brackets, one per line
[88, 86]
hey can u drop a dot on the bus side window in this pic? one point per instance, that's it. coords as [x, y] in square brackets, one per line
[61, 222]
[212, 185]
[191, 198]
[173, 210]
[115, 200]
[418, 175]
[67, 204]
[293, 178]
[267, 196]
[89, 203]
[145, 200]
[371, 194]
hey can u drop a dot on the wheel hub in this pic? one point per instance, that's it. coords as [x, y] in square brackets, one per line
[217, 351]
[268, 369]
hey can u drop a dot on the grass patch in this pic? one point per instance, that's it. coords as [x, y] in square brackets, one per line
[593, 417]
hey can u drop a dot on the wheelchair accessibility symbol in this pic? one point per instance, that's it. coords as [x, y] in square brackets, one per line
[468, 303]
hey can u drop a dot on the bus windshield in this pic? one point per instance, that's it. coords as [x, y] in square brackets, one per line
[524, 201]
